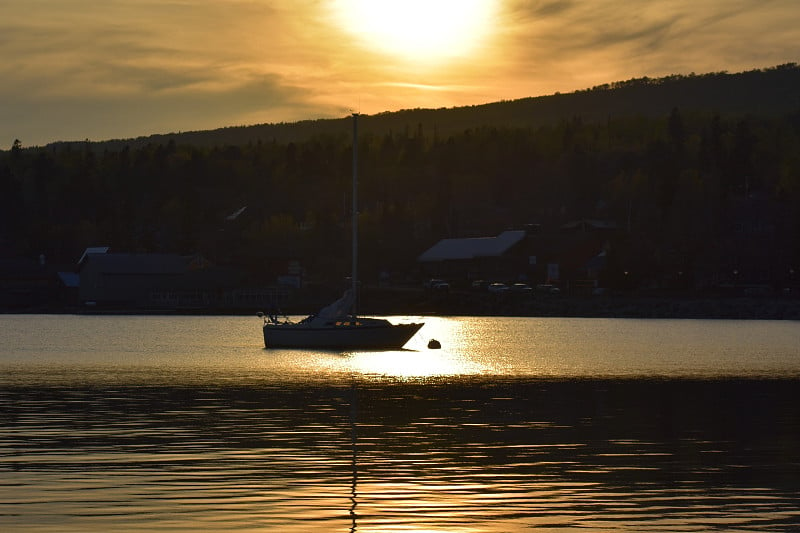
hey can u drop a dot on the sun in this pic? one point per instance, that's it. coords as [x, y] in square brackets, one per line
[417, 30]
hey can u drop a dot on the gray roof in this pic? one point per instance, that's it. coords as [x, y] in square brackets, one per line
[470, 248]
[92, 250]
[235, 214]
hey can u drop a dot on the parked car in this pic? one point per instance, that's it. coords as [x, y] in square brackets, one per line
[521, 288]
[437, 284]
[498, 288]
[547, 288]
[480, 285]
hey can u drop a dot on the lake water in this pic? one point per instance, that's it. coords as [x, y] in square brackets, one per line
[187, 423]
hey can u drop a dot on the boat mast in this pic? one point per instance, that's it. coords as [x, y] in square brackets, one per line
[354, 274]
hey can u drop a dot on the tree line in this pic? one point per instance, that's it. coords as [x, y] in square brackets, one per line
[693, 191]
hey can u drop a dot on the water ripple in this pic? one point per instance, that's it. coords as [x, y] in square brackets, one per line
[400, 457]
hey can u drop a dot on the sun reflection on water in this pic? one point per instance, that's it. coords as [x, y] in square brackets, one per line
[418, 361]
[413, 364]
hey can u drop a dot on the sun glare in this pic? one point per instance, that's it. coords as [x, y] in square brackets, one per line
[417, 30]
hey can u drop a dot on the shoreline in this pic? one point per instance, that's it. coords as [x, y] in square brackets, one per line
[394, 302]
[623, 306]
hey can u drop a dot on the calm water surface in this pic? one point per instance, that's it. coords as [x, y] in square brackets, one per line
[188, 423]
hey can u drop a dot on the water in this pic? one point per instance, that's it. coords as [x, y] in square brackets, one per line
[188, 423]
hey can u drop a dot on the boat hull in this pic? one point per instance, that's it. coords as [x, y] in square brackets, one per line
[356, 337]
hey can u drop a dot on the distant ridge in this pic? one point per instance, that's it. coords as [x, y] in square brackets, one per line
[764, 92]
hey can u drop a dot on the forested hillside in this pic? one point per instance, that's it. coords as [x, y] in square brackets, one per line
[700, 173]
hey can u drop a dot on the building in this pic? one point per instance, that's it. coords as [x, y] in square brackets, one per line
[161, 281]
[135, 280]
[498, 257]
[26, 283]
[574, 254]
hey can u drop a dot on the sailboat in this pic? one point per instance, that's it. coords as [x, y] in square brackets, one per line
[337, 326]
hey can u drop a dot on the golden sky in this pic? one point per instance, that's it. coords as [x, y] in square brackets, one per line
[105, 69]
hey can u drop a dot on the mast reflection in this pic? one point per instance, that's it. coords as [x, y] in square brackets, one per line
[354, 441]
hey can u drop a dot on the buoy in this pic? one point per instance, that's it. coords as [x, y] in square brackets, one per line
[433, 344]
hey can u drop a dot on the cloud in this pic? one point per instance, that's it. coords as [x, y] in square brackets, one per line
[166, 109]
[566, 45]
[126, 68]
[119, 68]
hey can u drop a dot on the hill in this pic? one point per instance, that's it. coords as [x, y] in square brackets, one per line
[761, 92]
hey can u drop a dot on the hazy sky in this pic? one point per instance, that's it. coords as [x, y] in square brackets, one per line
[104, 69]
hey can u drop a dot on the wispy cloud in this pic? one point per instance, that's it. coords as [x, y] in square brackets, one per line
[118, 68]
[572, 45]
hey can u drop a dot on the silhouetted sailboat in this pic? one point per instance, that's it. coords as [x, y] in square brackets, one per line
[337, 325]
